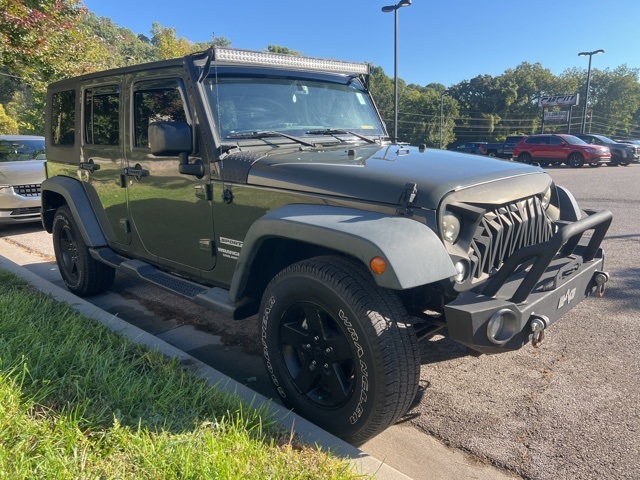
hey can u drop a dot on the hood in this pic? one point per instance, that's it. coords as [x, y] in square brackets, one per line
[23, 172]
[379, 173]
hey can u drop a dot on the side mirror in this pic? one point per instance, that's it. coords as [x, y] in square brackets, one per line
[168, 139]
[563, 144]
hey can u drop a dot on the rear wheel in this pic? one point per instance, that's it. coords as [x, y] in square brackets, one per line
[339, 349]
[575, 160]
[524, 157]
[82, 274]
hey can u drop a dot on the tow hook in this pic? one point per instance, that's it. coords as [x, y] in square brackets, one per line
[538, 324]
[601, 279]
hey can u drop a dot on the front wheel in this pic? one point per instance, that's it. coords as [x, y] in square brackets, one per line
[524, 157]
[339, 349]
[82, 274]
[575, 160]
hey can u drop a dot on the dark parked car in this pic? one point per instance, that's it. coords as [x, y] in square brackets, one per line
[21, 173]
[504, 149]
[621, 153]
[560, 148]
[479, 148]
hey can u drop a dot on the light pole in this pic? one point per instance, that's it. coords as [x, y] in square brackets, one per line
[586, 96]
[394, 9]
[441, 115]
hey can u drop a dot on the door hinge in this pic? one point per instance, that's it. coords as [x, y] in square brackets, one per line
[207, 245]
[125, 225]
[204, 192]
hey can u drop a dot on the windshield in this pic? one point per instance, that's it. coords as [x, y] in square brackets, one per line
[294, 106]
[571, 140]
[12, 150]
[604, 139]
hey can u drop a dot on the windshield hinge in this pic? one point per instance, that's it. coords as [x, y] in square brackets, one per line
[409, 195]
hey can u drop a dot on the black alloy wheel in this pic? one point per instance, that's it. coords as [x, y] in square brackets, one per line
[524, 157]
[339, 349]
[82, 274]
[575, 160]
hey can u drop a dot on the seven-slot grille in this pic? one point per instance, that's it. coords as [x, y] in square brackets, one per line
[32, 190]
[506, 229]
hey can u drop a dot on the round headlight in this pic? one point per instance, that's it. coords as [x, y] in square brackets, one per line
[546, 198]
[450, 226]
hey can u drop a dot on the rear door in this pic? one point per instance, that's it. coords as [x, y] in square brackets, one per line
[102, 154]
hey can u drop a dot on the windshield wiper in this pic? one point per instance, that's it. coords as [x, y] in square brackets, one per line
[270, 133]
[337, 131]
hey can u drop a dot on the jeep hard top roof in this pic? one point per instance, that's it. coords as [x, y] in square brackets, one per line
[223, 56]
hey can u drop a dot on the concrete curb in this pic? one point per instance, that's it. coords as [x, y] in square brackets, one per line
[361, 461]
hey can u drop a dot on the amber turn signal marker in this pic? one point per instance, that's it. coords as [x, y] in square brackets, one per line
[378, 265]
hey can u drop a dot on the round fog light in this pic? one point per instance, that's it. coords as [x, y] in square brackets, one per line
[502, 326]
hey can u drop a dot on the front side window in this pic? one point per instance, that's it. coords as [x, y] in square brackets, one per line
[296, 106]
[63, 117]
[156, 101]
[101, 115]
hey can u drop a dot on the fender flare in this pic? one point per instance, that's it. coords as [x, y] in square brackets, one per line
[414, 253]
[77, 199]
[569, 209]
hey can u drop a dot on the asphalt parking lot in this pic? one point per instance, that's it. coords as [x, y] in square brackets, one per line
[566, 410]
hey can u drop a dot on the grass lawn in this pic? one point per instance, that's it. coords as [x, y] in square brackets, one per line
[78, 401]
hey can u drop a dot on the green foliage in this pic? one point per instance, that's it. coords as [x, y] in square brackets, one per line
[284, 50]
[79, 401]
[8, 125]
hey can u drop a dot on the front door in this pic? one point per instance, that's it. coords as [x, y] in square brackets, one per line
[171, 219]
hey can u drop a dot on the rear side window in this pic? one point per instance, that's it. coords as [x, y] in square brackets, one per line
[63, 117]
[101, 115]
[156, 101]
[536, 140]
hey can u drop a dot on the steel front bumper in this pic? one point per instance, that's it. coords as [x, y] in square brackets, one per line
[534, 288]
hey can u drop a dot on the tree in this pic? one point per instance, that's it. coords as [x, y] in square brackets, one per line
[168, 45]
[284, 50]
[8, 125]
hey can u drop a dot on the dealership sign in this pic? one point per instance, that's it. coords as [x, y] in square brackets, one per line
[559, 100]
[556, 116]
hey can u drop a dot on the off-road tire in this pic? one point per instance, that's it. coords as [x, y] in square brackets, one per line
[338, 348]
[82, 274]
[575, 160]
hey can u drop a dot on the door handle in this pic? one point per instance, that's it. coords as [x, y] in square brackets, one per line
[136, 172]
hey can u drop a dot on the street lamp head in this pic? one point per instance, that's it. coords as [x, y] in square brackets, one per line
[595, 52]
[393, 8]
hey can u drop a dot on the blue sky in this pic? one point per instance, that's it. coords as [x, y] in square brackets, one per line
[439, 41]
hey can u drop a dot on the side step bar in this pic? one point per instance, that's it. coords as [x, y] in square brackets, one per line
[212, 298]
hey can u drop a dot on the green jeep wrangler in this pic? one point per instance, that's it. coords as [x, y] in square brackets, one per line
[258, 183]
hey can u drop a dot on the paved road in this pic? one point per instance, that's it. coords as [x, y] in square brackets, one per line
[566, 410]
